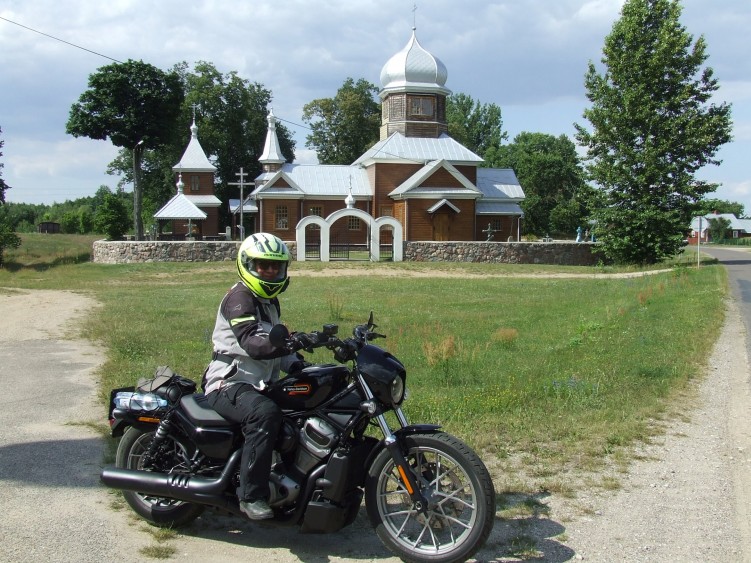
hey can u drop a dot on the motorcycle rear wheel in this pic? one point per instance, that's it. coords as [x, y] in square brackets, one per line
[460, 494]
[159, 511]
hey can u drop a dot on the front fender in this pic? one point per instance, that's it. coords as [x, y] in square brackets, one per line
[406, 431]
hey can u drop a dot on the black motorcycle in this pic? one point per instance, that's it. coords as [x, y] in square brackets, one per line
[428, 495]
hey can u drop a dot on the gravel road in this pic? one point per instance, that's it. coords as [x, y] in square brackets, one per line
[686, 500]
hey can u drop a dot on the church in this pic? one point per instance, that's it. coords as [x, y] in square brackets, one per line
[416, 174]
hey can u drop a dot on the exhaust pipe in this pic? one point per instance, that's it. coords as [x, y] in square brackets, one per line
[179, 486]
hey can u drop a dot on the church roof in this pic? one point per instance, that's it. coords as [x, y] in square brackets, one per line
[194, 159]
[499, 184]
[414, 69]
[272, 152]
[398, 148]
[419, 184]
[319, 180]
[180, 206]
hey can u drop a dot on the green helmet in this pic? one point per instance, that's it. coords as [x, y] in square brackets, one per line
[263, 246]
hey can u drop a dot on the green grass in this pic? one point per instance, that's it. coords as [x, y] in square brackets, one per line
[542, 375]
[40, 251]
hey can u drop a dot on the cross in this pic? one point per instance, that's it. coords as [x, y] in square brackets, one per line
[414, 16]
[242, 183]
[194, 113]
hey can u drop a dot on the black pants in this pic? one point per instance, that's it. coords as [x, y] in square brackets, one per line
[260, 418]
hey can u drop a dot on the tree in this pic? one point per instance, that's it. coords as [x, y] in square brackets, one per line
[8, 239]
[135, 105]
[550, 173]
[345, 126]
[476, 126]
[718, 229]
[652, 129]
[707, 206]
[111, 217]
[230, 113]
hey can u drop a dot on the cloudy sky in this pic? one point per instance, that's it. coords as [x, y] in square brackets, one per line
[527, 56]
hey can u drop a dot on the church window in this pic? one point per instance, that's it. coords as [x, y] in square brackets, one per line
[282, 217]
[353, 223]
[421, 106]
[195, 183]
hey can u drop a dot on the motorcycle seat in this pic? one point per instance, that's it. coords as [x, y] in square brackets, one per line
[197, 408]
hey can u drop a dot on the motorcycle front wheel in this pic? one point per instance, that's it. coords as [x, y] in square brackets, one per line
[157, 510]
[460, 494]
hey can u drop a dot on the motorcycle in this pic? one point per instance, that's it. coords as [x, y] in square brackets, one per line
[427, 494]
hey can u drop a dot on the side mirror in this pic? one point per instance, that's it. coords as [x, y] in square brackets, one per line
[278, 336]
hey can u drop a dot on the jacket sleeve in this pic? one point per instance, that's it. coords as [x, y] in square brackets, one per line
[240, 311]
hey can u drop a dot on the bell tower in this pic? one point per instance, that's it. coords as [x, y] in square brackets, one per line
[413, 93]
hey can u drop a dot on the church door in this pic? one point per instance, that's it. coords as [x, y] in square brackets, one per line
[441, 226]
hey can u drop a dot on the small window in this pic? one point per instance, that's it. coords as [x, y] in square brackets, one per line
[353, 223]
[421, 106]
[495, 224]
[195, 183]
[282, 217]
[387, 211]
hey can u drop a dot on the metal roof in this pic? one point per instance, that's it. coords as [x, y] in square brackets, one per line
[179, 207]
[499, 183]
[414, 69]
[321, 180]
[419, 183]
[204, 200]
[398, 148]
[497, 208]
[194, 159]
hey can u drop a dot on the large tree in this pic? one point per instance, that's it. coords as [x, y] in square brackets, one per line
[549, 170]
[345, 126]
[135, 105]
[653, 127]
[475, 125]
[230, 113]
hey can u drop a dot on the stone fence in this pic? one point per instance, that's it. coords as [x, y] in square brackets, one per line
[559, 253]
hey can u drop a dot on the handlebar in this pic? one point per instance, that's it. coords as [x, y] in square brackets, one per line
[344, 350]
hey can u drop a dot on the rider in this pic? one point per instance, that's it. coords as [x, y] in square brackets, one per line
[244, 362]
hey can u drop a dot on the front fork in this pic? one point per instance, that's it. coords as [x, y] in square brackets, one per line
[393, 445]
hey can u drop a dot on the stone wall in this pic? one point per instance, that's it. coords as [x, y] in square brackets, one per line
[125, 252]
[560, 253]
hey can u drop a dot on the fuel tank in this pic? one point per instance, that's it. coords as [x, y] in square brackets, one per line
[308, 388]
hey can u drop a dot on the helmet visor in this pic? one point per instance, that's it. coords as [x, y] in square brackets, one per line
[272, 271]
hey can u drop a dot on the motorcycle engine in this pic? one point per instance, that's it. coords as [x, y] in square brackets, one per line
[317, 437]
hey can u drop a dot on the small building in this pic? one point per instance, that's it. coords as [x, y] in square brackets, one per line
[197, 171]
[48, 227]
[738, 228]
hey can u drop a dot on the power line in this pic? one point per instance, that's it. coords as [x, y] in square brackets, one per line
[58, 39]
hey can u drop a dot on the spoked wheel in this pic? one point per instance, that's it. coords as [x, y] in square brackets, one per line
[460, 494]
[172, 456]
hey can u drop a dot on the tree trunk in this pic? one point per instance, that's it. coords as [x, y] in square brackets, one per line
[137, 191]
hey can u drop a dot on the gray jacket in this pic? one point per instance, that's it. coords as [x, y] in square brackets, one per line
[242, 351]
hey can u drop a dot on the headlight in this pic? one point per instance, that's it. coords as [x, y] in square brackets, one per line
[139, 401]
[397, 390]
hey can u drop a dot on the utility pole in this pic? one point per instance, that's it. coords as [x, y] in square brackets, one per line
[242, 183]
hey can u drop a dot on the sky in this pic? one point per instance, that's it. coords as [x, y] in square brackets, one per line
[527, 56]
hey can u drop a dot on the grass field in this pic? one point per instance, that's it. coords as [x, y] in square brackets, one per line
[541, 374]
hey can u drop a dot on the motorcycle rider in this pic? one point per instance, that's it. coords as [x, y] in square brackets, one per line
[244, 362]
